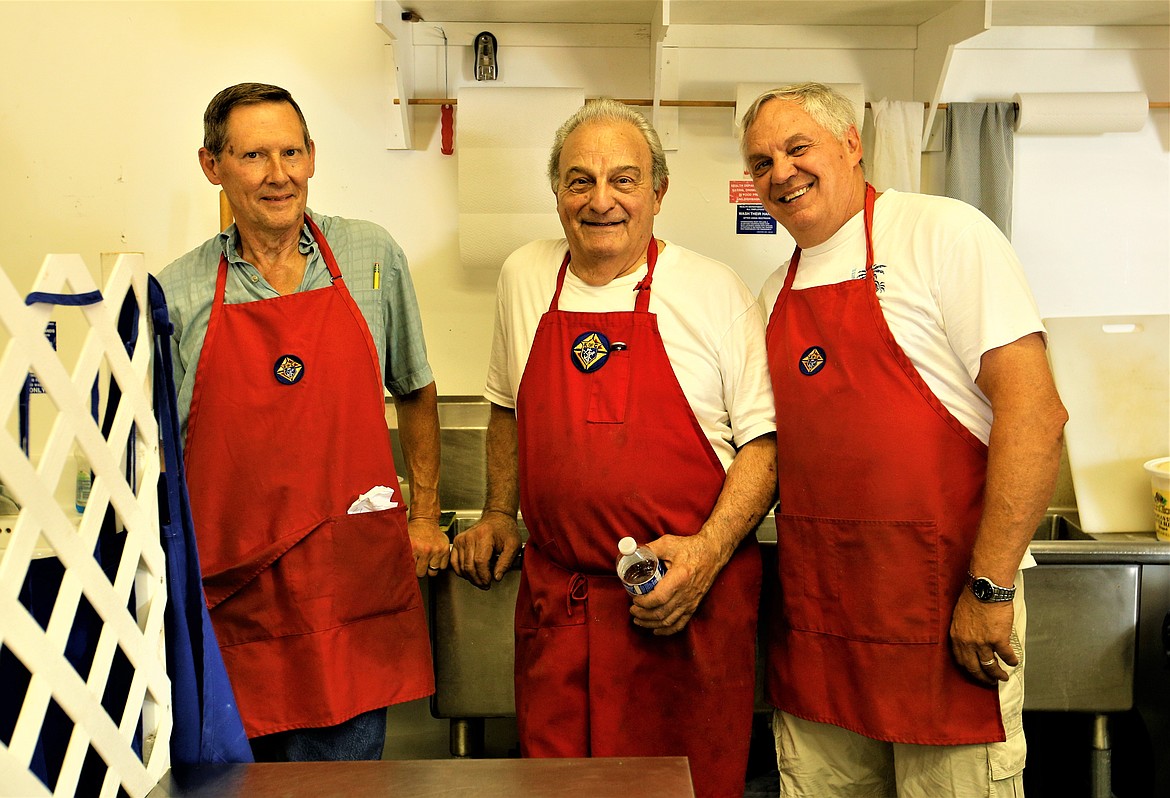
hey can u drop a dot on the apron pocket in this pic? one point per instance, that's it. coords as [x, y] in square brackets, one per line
[876, 581]
[610, 390]
[281, 590]
[373, 565]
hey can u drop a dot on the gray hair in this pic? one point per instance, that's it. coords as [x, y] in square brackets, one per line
[607, 109]
[215, 118]
[828, 108]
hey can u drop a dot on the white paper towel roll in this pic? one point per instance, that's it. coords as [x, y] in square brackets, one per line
[746, 94]
[1082, 112]
[503, 137]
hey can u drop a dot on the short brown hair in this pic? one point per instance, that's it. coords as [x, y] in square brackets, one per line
[215, 118]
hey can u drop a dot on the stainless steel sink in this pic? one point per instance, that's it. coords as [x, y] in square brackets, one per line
[1083, 603]
[472, 643]
[1060, 525]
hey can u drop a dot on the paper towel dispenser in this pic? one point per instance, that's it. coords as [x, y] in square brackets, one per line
[486, 58]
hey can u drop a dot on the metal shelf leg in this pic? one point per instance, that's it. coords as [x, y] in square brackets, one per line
[1102, 764]
[467, 737]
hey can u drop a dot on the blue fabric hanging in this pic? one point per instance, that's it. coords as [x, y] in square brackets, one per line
[207, 725]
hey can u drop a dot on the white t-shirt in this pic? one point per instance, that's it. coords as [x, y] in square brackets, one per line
[709, 322]
[949, 284]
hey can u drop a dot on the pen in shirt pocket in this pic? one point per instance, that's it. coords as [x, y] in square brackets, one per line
[377, 275]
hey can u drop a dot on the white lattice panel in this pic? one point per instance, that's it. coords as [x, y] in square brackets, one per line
[47, 526]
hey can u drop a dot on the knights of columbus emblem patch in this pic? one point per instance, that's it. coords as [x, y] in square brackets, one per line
[590, 351]
[288, 369]
[812, 360]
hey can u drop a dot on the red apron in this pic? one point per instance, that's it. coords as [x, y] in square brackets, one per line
[881, 492]
[318, 612]
[605, 451]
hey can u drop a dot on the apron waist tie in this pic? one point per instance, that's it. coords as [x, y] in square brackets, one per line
[578, 591]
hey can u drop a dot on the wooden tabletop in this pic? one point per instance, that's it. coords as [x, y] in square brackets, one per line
[645, 777]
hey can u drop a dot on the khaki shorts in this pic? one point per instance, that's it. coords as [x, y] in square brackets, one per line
[818, 760]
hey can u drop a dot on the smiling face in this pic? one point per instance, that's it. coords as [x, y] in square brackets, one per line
[606, 197]
[264, 168]
[809, 180]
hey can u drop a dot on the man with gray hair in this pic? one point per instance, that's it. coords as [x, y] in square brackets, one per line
[920, 436]
[629, 397]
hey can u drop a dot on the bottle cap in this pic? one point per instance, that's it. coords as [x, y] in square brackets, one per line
[627, 546]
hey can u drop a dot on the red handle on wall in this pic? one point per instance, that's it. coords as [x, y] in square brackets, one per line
[446, 128]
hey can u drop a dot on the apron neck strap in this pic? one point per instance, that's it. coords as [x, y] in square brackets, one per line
[641, 302]
[870, 199]
[322, 244]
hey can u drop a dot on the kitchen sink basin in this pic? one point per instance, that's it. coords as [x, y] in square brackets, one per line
[472, 644]
[1060, 525]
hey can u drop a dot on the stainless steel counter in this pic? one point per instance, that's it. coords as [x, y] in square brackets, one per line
[1059, 539]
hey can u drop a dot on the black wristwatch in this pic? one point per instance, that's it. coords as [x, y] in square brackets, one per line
[987, 591]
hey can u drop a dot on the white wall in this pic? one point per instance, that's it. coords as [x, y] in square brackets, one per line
[1091, 215]
[100, 121]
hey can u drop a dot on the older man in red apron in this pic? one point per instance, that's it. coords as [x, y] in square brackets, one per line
[637, 377]
[317, 609]
[908, 489]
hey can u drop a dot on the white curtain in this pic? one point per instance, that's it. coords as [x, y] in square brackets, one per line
[896, 158]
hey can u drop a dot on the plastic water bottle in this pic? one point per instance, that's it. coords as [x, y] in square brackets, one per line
[638, 567]
[83, 480]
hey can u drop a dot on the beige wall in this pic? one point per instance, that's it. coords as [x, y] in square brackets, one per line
[100, 121]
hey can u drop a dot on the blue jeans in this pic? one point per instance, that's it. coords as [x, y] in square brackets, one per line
[359, 738]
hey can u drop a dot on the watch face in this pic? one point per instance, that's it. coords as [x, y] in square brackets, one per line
[983, 589]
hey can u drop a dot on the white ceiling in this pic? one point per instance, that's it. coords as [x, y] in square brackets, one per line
[790, 12]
